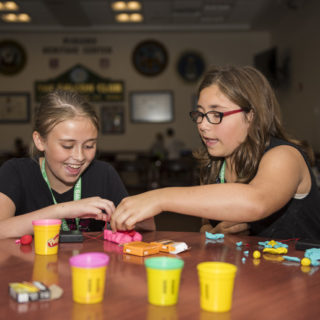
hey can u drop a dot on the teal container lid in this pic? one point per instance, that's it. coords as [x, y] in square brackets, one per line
[164, 263]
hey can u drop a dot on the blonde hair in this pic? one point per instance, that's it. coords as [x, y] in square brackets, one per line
[56, 107]
[251, 91]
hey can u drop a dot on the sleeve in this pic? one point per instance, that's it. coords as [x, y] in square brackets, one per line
[10, 181]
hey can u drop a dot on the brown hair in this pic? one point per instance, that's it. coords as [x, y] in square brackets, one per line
[251, 91]
[56, 107]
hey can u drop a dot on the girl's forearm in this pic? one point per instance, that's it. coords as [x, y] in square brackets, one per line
[18, 226]
[229, 202]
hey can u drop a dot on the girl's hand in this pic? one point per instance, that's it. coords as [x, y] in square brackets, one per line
[94, 207]
[227, 227]
[135, 209]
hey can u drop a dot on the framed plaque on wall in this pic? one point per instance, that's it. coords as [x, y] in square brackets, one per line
[150, 58]
[14, 107]
[112, 119]
[151, 106]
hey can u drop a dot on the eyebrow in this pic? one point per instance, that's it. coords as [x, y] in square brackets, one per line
[73, 140]
[213, 106]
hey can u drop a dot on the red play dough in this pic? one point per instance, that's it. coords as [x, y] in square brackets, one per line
[27, 239]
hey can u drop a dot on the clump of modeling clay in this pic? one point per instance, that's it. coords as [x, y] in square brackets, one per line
[314, 255]
[274, 247]
[256, 254]
[122, 237]
[305, 262]
[214, 236]
[289, 258]
[24, 240]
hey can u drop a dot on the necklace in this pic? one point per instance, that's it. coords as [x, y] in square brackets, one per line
[76, 195]
[222, 172]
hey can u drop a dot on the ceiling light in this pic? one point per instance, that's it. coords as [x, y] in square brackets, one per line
[126, 6]
[133, 6]
[11, 5]
[9, 17]
[119, 6]
[8, 6]
[129, 18]
[122, 17]
[12, 17]
[136, 17]
[24, 17]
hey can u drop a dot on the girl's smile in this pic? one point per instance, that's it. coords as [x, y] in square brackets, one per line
[69, 149]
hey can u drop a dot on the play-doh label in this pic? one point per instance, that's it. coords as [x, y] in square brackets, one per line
[53, 241]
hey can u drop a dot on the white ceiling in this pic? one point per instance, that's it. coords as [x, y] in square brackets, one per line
[159, 15]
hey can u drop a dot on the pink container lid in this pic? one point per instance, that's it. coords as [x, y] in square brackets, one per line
[89, 260]
[46, 222]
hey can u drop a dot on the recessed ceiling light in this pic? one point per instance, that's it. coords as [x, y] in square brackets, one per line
[122, 17]
[134, 6]
[126, 6]
[119, 6]
[12, 17]
[136, 17]
[9, 17]
[8, 6]
[24, 17]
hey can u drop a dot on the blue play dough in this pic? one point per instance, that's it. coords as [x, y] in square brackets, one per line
[214, 236]
[314, 255]
[296, 259]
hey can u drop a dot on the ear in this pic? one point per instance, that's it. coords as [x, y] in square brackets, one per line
[250, 115]
[38, 141]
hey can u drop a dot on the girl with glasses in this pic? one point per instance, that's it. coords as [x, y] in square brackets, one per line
[254, 177]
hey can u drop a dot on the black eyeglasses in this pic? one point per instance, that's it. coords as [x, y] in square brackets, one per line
[214, 117]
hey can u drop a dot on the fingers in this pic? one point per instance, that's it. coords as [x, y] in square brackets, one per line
[95, 207]
[122, 220]
[230, 227]
[237, 228]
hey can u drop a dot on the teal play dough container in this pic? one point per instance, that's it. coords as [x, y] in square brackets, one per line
[163, 277]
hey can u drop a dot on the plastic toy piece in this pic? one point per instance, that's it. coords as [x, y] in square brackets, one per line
[256, 254]
[122, 237]
[239, 244]
[314, 255]
[214, 236]
[24, 240]
[288, 258]
[164, 245]
[179, 247]
[280, 250]
[272, 244]
[305, 262]
[140, 248]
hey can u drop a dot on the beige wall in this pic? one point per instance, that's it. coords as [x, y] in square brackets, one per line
[298, 35]
[216, 48]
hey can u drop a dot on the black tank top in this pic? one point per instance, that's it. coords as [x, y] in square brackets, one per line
[299, 218]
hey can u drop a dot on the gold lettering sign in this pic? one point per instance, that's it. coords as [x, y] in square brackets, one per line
[84, 81]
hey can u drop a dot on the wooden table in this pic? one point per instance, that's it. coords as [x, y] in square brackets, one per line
[264, 289]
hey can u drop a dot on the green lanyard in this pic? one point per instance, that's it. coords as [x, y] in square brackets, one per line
[222, 172]
[76, 195]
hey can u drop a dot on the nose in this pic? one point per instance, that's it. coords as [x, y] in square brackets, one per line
[204, 125]
[78, 153]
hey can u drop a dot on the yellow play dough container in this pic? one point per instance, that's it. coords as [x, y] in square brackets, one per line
[216, 285]
[163, 275]
[88, 276]
[46, 236]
